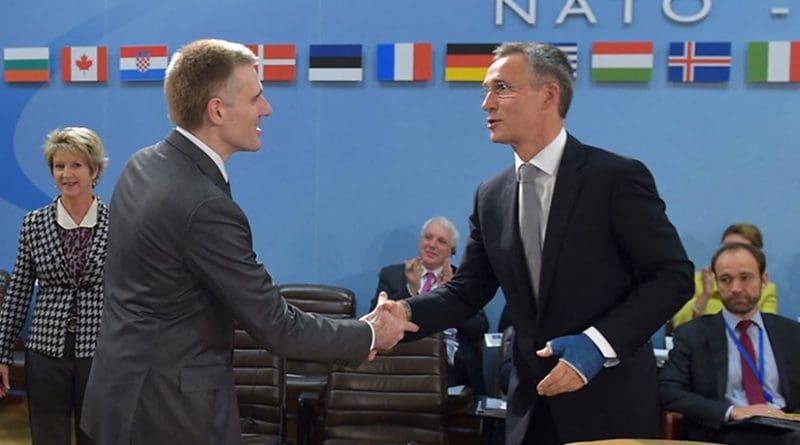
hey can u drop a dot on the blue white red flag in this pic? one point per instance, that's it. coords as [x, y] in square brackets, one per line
[699, 61]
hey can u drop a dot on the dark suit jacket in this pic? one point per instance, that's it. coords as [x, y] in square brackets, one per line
[611, 259]
[180, 268]
[694, 378]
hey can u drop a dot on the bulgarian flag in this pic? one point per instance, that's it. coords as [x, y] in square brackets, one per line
[26, 64]
[775, 61]
[622, 61]
[84, 64]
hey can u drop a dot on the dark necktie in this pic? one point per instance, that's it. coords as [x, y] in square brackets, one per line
[529, 222]
[752, 388]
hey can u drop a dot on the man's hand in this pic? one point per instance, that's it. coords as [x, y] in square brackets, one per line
[4, 382]
[413, 272]
[579, 362]
[762, 409]
[390, 324]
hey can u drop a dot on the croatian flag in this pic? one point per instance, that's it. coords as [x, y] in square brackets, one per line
[408, 62]
[699, 61]
[143, 62]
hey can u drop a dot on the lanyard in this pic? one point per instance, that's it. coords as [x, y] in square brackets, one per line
[758, 371]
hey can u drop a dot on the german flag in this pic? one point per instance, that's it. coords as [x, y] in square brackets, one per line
[468, 62]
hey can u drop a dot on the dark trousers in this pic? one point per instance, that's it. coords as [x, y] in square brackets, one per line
[542, 429]
[55, 388]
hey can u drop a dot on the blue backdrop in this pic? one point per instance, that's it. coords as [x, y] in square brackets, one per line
[348, 172]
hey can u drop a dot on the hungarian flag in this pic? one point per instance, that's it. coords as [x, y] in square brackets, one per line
[622, 61]
[84, 64]
[275, 62]
[335, 63]
[143, 62]
[699, 62]
[775, 61]
[26, 64]
[468, 62]
[404, 61]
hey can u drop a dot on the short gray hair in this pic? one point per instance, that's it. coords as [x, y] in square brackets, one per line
[546, 61]
[447, 225]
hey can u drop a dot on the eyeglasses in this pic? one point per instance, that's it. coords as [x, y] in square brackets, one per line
[501, 90]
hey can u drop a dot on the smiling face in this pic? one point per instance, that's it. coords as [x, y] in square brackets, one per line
[243, 105]
[72, 174]
[435, 245]
[521, 110]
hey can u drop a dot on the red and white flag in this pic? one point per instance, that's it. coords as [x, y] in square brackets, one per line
[84, 64]
[275, 62]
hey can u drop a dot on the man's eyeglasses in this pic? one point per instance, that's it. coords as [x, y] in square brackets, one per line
[501, 90]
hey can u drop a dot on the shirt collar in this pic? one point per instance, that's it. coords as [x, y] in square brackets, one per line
[548, 159]
[207, 150]
[65, 221]
[733, 319]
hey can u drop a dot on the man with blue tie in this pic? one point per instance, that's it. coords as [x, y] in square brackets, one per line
[736, 364]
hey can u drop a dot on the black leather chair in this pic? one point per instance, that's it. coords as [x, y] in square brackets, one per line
[399, 398]
[308, 378]
[260, 385]
[17, 370]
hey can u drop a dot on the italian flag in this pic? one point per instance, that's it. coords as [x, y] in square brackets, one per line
[26, 64]
[776, 61]
[622, 61]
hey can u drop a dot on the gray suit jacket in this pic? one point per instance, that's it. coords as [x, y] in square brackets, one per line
[694, 378]
[180, 268]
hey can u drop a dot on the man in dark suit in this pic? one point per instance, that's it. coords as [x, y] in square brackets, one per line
[181, 268]
[735, 364]
[612, 268]
[430, 269]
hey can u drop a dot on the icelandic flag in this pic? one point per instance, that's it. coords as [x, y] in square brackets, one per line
[699, 61]
[142, 62]
[404, 61]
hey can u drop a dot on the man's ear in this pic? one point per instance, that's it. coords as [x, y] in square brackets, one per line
[214, 110]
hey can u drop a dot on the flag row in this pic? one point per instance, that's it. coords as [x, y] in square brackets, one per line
[687, 61]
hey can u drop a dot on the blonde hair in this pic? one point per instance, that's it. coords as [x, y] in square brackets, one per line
[197, 73]
[77, 140]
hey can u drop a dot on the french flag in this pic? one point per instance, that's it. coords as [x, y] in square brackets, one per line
[409, 62]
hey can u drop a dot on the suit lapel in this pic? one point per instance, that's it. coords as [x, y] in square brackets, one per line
[781, 354]
[206, 165]
[717, 345]
[568, 184]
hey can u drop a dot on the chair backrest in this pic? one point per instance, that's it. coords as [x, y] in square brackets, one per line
[400, 397]
[330, 301]
[260, 386]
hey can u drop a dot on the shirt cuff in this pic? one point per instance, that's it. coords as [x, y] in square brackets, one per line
[372, 330]
[603, 345]
[728, 414]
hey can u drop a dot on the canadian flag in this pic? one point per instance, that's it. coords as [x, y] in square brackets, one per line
[84, 64]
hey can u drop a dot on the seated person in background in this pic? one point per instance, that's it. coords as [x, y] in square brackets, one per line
[735, 364]
[706, 299]
[425, 272]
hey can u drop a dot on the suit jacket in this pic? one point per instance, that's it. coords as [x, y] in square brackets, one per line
[611, 259]
[694, 379]
[181, 267]
[41, 257]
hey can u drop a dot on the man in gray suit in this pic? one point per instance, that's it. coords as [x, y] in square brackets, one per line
[181, 268]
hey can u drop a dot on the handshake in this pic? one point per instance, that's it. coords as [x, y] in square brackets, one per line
[389, 322]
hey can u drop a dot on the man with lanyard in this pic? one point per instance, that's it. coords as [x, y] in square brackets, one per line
[739, 363]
